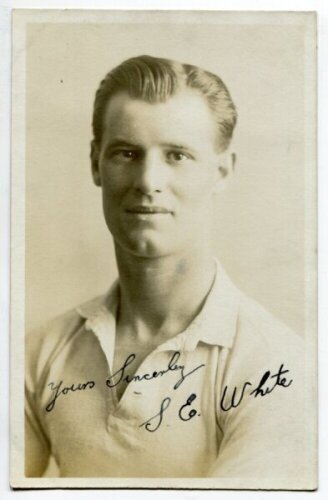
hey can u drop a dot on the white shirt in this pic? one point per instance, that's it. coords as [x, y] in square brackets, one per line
[179, 421]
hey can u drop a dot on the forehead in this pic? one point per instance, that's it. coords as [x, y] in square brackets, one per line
[184, 116]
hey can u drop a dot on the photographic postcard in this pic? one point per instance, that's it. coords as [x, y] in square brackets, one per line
[163, 251]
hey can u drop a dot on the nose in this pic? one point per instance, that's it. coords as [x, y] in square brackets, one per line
[151, 174]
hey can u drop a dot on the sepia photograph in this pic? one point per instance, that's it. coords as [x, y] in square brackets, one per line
[163, 306]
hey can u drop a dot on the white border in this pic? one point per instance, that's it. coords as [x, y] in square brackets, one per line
[22, 19]
[4, 214]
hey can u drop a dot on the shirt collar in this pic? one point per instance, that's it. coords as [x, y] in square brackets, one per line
[217, 321]
[215, 324]
[92, 309]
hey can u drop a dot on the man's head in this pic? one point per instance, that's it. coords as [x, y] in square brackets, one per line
[153, 80]
[161, 133]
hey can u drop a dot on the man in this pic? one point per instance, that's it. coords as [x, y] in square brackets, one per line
[174, 372]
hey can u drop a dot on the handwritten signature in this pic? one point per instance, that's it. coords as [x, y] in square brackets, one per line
[266, 385]
[120, 376]
[230, 398]
[184, 413]
[58, 390]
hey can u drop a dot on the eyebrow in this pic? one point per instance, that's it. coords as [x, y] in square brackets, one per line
[116, 143]
[121, 142]
[182, 147]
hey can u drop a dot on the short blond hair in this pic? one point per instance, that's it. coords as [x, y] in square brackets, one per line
[154, 79]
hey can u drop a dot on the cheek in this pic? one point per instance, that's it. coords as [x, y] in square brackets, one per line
[113, 182]
[197, 186]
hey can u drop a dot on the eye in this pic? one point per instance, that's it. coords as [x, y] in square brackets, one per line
[125, 155]
[178, 156]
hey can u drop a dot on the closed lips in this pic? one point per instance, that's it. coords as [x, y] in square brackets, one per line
[140, 209]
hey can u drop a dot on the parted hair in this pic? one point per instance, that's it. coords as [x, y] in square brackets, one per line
[154, 79]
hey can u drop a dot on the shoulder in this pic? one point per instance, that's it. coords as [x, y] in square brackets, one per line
[44, 343]
[260, 327]
[263, 342]
[263, 410]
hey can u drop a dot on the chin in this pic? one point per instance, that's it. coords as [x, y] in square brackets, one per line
[150, 248]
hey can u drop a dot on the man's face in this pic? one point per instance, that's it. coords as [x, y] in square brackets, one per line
[158, 168]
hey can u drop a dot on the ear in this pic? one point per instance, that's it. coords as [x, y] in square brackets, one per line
[94, 155]
[225, 169]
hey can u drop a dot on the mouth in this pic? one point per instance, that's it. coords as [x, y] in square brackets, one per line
[148, 210]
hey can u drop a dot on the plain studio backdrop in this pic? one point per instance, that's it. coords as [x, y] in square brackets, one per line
[259, 229]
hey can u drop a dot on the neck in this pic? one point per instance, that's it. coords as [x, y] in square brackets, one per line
[161, 296]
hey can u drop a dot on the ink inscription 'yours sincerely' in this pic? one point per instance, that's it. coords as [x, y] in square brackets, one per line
[120, 375]
[65, 390]
[265, 386]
